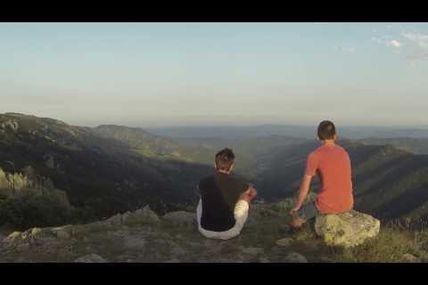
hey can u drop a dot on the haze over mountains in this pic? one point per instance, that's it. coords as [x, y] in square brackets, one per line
[351, 132]
[110, 169]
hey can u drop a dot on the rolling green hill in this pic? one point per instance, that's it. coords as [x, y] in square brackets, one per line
[415, 145]
[101, 175]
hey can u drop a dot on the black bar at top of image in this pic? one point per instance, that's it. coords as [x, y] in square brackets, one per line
[217, 13]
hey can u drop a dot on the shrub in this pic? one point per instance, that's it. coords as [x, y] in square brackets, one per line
[31, 208]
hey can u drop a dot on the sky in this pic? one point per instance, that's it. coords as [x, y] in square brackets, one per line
[175, 74]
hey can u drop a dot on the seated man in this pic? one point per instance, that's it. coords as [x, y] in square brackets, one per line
[332, 163]
[223, 208]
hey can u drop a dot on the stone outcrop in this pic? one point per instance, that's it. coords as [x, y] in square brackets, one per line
[180, 218]
[346, 229]
[142, 236]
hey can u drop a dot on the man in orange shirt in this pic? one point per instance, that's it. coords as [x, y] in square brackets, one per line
[333, 165]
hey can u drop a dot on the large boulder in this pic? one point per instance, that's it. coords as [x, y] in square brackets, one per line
[346, 229]
[180, 218]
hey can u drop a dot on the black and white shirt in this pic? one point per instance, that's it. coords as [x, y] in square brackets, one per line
[219, 194]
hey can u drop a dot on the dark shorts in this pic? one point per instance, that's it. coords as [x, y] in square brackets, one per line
[308, 211]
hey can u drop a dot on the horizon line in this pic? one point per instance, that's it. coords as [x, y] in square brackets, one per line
[213, 125]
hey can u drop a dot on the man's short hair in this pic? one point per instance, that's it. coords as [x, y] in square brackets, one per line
[326, 130]
[224, 159]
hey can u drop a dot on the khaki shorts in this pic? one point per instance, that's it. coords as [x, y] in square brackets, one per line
[308, 211]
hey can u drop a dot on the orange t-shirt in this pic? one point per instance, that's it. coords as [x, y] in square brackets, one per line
[333, 165]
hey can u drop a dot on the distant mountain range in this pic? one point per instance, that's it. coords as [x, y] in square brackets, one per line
[110, 169]
[415, 145]
[309, 132]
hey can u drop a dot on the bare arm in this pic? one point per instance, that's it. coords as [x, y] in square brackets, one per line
[303, 192]
[249, 194]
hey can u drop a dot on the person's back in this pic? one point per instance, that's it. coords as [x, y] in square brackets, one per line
[333, 165]
[219, 194]
[224, 200]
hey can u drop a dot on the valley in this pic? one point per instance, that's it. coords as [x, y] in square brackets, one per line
[110, 168]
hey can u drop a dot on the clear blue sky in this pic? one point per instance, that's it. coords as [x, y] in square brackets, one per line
[157, 74]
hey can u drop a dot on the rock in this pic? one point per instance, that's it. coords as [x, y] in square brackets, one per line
[114, 220]
[180, 218]
[295, 257]
[195, 244]
[25, 235]
[12, 124]
[174, 260]
[178, 251]
[165, 236]
[64, 232]
[311, 245]
[80, 230]
[14, 240]
[346, 229]
[126, 217]
[410, 258]
[36, 232]
[90, 258]
[148, 214]
[134, 242]
[14, 236]
[210, 244]
[97, 226]
[168, 243]
[141, 216]
[264, 260]
[38, 236]
[327, 260]
[284, 242]
[22, 246]
[62, 235]
[251, 221]
[252, 250]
